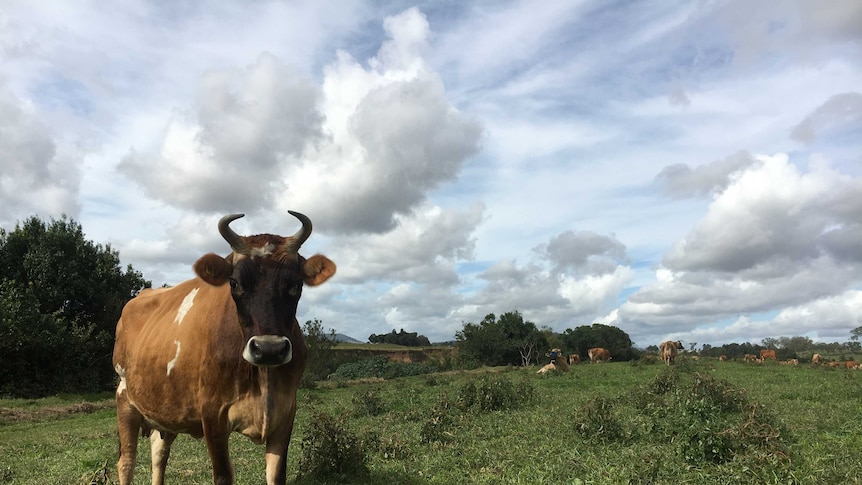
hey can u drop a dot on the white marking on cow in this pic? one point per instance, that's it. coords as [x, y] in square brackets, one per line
[264, 250]
[122, 373]
[186, 305]
[177, 356]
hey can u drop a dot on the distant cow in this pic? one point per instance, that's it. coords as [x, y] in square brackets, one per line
[574, 359]
[219, 353]
[850, 364]
[835, 364]
[558, 362]
[768, 354]
[599, 354]
[816, 359]
[668, 350]
[723, 358]
[789, 362]
[749, 358]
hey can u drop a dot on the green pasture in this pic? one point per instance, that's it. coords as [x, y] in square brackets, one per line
[607, 423]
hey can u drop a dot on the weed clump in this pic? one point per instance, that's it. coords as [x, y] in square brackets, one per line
[495, 393]
[368, 403]
[664, 382]
[720, 423]
[330, 450]
[595, 421]
[436, 427]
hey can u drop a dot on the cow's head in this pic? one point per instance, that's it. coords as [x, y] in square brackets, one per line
[266, 274]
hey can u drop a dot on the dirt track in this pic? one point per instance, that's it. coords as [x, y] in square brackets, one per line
[15, 415]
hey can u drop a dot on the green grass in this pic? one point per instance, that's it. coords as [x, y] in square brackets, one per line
[816, 410]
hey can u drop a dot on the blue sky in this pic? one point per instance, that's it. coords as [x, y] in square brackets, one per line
[684, 170]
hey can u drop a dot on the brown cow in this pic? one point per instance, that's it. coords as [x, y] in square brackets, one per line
[207, 358]
[558, 362]
[574, 359]
[749, 358]
[850, 364]
[816, 359]
[599, 354]
[668, 350]
[722, 358]
[835, 364]
[768, 354]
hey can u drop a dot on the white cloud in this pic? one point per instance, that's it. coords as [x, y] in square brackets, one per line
[36, 174]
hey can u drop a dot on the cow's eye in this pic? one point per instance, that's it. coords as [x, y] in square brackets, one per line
[233, 284]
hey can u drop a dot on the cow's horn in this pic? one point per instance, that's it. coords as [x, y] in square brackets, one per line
[237, 243]
[294, 242]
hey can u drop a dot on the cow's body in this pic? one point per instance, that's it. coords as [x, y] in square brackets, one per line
[768, 354]
[668, 350]
[574, 359]
[749, 358]
[816, 359]
[207, 358]
[598, 354]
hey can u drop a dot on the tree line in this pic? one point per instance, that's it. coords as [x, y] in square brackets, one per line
[409, 339]
[511, 340]
[61, 296]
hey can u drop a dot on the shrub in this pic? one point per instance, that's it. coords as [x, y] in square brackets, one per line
[330, 450]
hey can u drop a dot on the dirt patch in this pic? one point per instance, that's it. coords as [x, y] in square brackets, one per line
[17, 415]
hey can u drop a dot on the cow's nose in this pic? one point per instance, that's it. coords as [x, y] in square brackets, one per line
[268, 350]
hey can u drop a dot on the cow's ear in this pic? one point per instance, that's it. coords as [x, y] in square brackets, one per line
[213, 269]
[317, 269]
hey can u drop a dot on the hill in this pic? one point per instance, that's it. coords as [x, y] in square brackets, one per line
[340, 337]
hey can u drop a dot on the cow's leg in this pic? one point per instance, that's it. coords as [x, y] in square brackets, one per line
[128, 425]
[216, 435]
[276, 460]
[160, 450]
[276, 452]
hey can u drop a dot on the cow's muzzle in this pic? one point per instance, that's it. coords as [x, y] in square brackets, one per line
[268, 350]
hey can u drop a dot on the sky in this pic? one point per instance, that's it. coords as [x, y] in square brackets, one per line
[679, 169]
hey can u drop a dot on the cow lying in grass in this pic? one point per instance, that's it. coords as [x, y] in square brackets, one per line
[558, 362]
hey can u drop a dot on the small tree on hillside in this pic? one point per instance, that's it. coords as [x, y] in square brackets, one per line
[321, 357]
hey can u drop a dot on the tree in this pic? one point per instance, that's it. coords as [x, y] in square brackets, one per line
[321, 357]
[503, 341]
[61, 337]
[771, 343]
[856, 334]
[585, 337]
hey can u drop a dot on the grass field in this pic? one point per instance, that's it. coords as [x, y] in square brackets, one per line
[704, 422]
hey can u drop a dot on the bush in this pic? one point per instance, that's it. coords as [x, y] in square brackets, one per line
[380, 367]
[330, 450]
